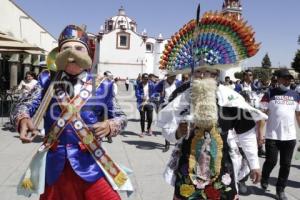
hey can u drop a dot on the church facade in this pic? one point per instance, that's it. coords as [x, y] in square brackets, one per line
[126, 52]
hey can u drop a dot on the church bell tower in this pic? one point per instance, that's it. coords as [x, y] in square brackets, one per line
[232, 8]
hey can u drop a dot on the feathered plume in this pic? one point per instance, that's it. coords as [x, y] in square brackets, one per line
[219, 40]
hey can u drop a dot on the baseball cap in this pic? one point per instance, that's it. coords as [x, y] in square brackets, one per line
[283, 73]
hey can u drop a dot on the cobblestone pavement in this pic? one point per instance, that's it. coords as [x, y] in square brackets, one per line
[143, 155]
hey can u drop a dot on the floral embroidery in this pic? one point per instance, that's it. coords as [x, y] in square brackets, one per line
[187, 190]
[201, 184]
[199, 175]
[226, 179]
[212, 193]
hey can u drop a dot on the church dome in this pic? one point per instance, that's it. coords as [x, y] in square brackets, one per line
[120, 21]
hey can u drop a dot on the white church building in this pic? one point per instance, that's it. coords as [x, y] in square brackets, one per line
[126, 52]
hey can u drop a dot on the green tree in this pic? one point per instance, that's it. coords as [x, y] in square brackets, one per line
[296, 61]
[238, 75]
[260, 73]
[263, 74]
[266, 62]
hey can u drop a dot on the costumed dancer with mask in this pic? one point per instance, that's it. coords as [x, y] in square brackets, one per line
[71, 163]
[201, 113]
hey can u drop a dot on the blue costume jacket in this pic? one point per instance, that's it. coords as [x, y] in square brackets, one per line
[139, 92]
[239, 87]
[101, 107]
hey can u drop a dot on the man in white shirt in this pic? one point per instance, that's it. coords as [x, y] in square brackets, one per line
[248, 87]
[165, 88]
[282, 105]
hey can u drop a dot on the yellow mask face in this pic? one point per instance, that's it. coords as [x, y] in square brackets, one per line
[81, 58]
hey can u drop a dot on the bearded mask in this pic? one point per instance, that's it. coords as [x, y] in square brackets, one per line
[204, 106]
[82, 59]
[73, 33]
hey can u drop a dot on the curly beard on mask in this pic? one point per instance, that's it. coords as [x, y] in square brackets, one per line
[204, 105]
[82, 59]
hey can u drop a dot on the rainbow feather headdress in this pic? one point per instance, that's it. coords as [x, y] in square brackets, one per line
[217, 42]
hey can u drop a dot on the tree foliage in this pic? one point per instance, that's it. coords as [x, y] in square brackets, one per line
[296, 62]
[238, 75]
[260, 73]
[266, 62]
[263, 74]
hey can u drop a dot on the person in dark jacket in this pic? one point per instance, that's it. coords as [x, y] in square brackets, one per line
[144, 93]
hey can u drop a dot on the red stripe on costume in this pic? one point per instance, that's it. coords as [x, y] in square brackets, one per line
[70, 186]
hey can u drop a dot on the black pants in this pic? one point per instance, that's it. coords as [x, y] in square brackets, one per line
[167, 143]
[286, 149]
[127, 86]
[146, 110]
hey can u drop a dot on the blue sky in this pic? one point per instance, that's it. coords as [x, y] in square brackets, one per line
[276, 23]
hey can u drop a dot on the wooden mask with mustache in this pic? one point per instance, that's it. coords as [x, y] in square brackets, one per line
[82, 59]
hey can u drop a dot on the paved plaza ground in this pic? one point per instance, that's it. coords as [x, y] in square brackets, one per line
[143, 155]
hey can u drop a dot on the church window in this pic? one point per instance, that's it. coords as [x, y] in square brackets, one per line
[110, 25]
[42, 58]
[123, 40]
[234, 4]
[149, 47]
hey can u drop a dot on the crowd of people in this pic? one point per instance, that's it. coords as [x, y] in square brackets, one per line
[278, 98]
[218, 128]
